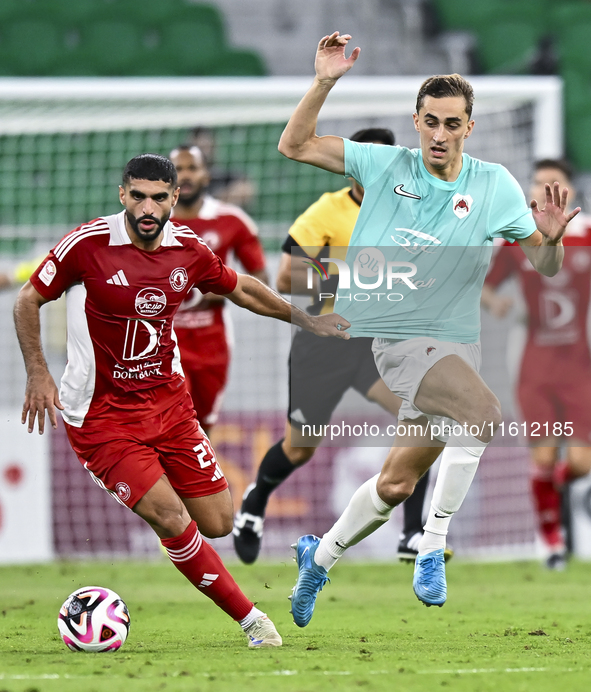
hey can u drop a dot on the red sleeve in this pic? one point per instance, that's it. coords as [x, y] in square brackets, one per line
[58, 271]
[215, 276]
[247, 246]
[505, 262]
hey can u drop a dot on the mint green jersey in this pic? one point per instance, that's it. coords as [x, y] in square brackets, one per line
[440, 233]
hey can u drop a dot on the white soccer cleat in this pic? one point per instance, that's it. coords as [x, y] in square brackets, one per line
[262, 634]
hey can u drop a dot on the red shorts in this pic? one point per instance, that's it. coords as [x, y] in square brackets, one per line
[547, 405]
[128, 458]
[206, 386]
[205, 356]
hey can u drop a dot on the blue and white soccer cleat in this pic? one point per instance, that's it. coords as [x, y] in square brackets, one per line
[429, 582]
[311, 579]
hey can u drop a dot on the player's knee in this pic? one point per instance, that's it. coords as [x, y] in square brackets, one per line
[394, 491]
[217, 527]
[299, 455]
[485, 419]
[579, 461]
[167, 522]
[544, 457]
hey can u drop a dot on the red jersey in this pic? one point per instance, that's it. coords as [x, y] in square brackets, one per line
[558, 305]
[123, 359]
[225, 228]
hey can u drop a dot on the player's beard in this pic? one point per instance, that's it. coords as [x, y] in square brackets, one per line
[146, 235]
[188, 199]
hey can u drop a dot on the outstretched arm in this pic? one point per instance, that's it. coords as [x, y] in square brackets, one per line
[544, 247]
[299, 140]
[260, 299]
[41, 393]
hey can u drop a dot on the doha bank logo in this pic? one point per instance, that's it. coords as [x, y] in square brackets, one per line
[368, 277]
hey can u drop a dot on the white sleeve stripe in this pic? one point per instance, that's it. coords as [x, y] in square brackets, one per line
[64, 251]
[188, 233]
[63, 246]
[86, 227]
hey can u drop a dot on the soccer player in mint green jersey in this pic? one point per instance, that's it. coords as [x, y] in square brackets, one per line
[435, 196]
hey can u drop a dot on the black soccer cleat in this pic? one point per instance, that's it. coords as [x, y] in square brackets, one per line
[247, 532]
[557, 561]
[248, 536]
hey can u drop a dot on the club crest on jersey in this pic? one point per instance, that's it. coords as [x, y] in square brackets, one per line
[462, 205]
[150, 302]
[123, 491]
[178, 279]
[48, 272]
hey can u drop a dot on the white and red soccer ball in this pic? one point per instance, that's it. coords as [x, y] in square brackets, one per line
[93, 619]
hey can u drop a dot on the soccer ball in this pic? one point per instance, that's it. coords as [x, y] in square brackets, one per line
[93, 619]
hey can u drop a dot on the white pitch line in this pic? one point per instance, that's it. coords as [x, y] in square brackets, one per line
[445, 671]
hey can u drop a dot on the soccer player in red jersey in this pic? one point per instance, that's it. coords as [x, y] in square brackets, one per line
[123, 397]
[554, 387]
[199, 322]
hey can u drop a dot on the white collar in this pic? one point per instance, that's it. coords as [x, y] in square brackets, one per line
[210, 208]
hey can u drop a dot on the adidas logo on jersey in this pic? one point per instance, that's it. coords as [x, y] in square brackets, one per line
[118, 279]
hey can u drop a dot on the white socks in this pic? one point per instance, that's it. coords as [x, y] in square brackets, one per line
[456, 472]
[365, 513]
[246, 622]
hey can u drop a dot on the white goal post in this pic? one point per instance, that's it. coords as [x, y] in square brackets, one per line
[98, 104]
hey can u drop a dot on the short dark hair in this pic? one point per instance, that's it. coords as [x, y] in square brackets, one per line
[560, 164]
[200, 130]
[444, 85]
[150, 167]
[375, 134]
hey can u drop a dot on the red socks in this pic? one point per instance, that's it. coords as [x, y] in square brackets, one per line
[547, 506]
[563, 474]
[202, 566]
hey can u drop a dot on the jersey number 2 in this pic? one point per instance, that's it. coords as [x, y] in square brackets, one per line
[202, 450]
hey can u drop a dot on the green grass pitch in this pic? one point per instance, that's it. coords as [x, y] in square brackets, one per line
[505, 627]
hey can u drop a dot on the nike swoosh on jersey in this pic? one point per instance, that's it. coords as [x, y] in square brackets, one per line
[399, 191]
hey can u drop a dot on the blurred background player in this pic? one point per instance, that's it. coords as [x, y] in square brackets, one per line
[322, 371]
[227, 185]
[199, 324]
[554, 385]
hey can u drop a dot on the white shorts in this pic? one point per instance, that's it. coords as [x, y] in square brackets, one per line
[402, 365]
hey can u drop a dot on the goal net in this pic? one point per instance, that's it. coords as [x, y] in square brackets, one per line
[63, 145]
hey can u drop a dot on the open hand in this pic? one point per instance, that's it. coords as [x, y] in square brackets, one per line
[551, 221]
[331, 325]
[41, 395]
[331, 62]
